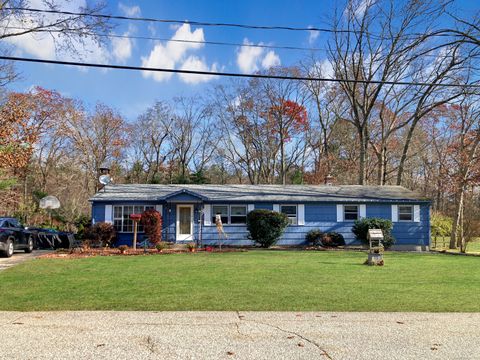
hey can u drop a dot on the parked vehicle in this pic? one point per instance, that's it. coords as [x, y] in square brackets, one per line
[51, 239]
[13, 236]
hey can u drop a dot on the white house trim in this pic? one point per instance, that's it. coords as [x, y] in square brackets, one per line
[416, 213]
[362, 211]
[109, 214]
[250, 207]
[394, 213]
[207, 214]
[276, 207]
[301, 214]
[339, 213]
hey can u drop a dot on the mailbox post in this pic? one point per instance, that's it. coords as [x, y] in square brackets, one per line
[375, 252]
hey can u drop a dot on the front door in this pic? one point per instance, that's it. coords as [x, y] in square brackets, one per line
[184, 222]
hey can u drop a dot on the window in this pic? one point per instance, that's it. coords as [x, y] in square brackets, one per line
[231, 214]
[405, 213]
[238, 214]
[221, 210]
[291, 212]
[350, 212]
[121, 216]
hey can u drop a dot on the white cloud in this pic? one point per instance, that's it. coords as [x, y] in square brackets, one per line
[312, 36]
[122, 48]
[250, 59]
[271, 60]
[44, 45]
[172, 53]
[196, 64]
[358, 7]
[132, 11]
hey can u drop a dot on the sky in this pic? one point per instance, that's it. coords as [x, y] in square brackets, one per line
[131, 92]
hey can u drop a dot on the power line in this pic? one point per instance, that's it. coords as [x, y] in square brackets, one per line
[220, 24]
[266, 46]
[228, 74]
[172, 21]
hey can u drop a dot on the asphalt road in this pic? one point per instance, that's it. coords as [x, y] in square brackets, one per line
[19, 257]
[238, 335]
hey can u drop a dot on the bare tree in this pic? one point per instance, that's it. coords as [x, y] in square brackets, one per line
[373, 45]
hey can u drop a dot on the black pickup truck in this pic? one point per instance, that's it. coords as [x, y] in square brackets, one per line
[13, 236]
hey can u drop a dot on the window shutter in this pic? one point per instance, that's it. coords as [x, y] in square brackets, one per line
[394, 213]
[301, 214]
[363, 211]
[339, 213]
[108, 214]
[276, 207]
[159, 208]
[207, 214]
[416, 213]
[250, 207]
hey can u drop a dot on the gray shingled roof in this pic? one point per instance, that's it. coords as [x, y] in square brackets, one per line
[256, 193]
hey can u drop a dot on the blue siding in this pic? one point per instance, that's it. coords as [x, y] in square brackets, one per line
[320, 215]
[98, 212]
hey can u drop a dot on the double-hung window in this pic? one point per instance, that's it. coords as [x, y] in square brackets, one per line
[405, 212]
[291, 212]
[121, 216]
[350, 212]
[230, 214]
[238, 214]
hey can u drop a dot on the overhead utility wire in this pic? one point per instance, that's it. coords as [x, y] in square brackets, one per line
[228, 74]
[201, 23]
[198, 23]
[266, 46]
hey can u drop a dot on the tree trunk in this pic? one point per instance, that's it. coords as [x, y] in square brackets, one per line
[363, 156]
[458, 217]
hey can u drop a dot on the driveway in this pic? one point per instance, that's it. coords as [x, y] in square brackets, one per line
[19, 257]
[238, 335]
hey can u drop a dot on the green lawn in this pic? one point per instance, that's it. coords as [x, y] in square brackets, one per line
[254, 280]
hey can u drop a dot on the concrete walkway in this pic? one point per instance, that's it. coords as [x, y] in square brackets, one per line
[238, 335]
[19, 257]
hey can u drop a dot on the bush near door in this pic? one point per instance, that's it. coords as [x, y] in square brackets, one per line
[361, 227]
[266, 226]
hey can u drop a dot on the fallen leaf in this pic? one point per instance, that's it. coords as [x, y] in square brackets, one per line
[433, 348]
[17, 323]
[98, 345]
[400, 322]
[230, 353]
[301, 344]
[290, 337]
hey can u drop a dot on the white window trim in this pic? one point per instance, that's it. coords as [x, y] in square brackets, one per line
[296, 212]
[122, 218]
[358, 212]
[301, 215]
[229, 214]
[412, 213]
[207, 214]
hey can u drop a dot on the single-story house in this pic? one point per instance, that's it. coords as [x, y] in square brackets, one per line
[189, 211]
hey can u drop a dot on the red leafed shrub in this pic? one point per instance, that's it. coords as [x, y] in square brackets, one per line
[152, 225]
[102, 233]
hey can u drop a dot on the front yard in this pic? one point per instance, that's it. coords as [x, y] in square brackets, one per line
[254, 280]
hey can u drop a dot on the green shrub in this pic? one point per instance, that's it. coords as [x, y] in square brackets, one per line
[440, 225]
[314, 237]
[361, 227]
[333, 239]
[266, 226]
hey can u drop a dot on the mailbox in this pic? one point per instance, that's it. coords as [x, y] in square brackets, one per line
[375, 238]
[375, 253]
